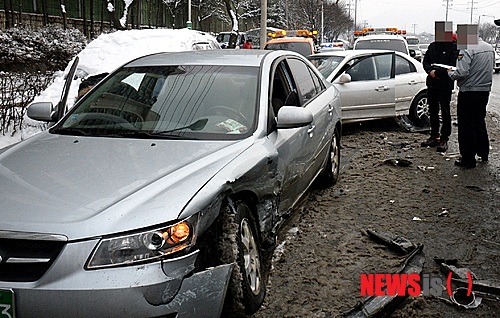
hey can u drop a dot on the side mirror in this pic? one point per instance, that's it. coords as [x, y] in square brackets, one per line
[293, 117]
[344, 78]
[42, 111]
[412, 53]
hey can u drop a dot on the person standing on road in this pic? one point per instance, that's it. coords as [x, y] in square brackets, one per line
[439, 85]
[474, 75]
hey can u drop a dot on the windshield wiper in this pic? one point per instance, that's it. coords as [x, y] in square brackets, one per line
[197, 125]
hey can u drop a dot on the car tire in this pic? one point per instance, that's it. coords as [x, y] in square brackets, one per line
[330, 175]
[239, 243]
[419, 111]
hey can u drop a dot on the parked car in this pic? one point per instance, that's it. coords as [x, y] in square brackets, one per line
[413, 44]
[423, 48]
[376, 84]
[161, 192]
[223, 39]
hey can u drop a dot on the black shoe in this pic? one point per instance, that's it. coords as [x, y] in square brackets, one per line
[442, 146]
[465, 164]
[431, 142]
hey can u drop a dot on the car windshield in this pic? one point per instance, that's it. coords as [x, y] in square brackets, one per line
[303, 48]
[325, 64]
[181, 102]
[382, 44]
[412, 41]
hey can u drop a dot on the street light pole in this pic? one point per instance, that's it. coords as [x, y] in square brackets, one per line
[189, 24]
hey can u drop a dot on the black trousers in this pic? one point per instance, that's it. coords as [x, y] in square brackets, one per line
[472, 133]
[439, 99]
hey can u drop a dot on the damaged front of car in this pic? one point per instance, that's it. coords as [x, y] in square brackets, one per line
[106, 233]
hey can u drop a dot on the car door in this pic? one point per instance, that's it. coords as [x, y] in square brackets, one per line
[318, 99]
[297, 148]
[370, 93]
[408, 83]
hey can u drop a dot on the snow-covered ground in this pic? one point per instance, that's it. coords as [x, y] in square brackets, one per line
[106, 53]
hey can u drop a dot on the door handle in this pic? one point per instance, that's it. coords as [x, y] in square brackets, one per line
[311, 130]
[330, 109]
[382, 88]
[412, 82]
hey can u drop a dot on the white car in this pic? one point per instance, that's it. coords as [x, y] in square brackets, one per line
[376, 84]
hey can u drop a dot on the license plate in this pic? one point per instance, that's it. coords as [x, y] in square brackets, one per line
[7, 303]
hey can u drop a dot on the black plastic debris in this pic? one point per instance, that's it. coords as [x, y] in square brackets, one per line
[413, 263]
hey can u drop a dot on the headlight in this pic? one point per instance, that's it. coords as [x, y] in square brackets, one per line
[144, 246]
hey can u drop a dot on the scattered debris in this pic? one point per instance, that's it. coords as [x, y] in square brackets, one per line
[396, 162]
[444, 212]
[424, 168]
[463, 298]
[413, 263]
[475, 188]
[416, 218]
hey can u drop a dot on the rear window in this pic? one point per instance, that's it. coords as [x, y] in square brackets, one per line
[303, 48]
[382, 44]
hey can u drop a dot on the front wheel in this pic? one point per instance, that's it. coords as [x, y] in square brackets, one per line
[330, 175]
[419, 111]
[239, 244]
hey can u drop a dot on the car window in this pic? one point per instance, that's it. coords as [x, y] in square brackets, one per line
[362, 69]
[191, 102]
[307, 88]
[325, 64]
[383, 63]
[403, 66]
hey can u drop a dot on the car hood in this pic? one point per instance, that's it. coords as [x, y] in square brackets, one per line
[83, 187]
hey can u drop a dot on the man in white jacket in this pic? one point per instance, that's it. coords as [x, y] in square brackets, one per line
[474, 75]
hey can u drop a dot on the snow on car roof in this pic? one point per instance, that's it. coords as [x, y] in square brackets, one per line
[112, 50]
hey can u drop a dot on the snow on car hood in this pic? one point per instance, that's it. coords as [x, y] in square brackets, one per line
[87, 186]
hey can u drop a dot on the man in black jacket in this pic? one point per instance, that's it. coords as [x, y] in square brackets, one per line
[439, 85]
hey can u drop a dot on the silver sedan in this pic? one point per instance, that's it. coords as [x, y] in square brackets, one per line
[376, 84]
[160, 193]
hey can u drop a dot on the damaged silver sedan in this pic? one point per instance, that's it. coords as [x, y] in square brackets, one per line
[160, 193]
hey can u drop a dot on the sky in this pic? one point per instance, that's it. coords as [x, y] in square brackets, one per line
[420, 15]
[104, 54]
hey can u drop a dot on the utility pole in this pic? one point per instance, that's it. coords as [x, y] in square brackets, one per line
[448, 5]
[471, 9]
[414, 25]
[355, 13]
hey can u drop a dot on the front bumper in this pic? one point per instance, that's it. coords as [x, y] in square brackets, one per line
[149, 290]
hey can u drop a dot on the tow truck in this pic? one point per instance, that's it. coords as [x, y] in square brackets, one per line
[301, 41]
[383, 39]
